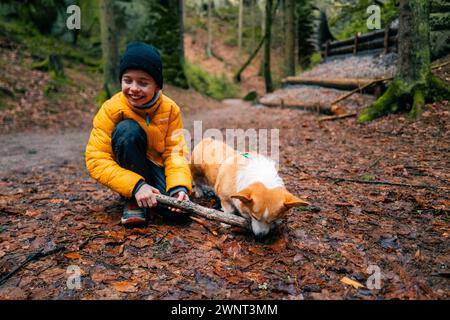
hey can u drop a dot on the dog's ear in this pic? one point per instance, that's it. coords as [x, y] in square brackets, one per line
[291, 201]
[244, 195]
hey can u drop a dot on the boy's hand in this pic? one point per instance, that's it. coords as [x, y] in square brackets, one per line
[180, 195]
[145, 197]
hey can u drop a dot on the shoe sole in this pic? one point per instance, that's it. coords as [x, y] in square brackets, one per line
[132, 221]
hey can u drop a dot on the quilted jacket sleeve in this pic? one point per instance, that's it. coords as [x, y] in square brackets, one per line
[175, 154]
[99, 155]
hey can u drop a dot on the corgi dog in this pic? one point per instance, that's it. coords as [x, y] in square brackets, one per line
[246, 183]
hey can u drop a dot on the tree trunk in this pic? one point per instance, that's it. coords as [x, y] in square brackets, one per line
[267, 45]
[263, 32]
[240, 25]
[253, 22]
[111, 81]
[289, 8]
[209, 45]
[414, 82]
[164, 29]
[323, 32]
[237, 76]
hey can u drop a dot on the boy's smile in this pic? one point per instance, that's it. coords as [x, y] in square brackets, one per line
[138, 87]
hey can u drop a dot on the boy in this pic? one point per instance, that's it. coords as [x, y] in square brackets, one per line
[136, 146]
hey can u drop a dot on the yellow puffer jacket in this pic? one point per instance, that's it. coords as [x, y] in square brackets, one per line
[166, 144]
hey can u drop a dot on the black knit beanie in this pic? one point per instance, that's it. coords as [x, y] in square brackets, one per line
[141, 56]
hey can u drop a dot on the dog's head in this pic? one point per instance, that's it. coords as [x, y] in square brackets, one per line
[265, 206]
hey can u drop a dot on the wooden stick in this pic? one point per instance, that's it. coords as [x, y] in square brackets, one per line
[39, 254]
[345, 96]
[346, 115]
[440, 65]
[204, 212]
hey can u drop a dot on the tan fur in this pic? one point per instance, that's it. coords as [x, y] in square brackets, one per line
[216, 165]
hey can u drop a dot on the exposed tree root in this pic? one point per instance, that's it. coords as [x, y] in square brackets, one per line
[403, 96]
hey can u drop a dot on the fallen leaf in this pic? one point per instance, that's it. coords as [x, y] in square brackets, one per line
[52, 274]
[140, 231]
[232, 249]
[141, 243]
[353, 283]
[116, 235]
[72, 255]
[256, 250]
[124, 286]
[279, 245]
[102, 277]
[32, 213]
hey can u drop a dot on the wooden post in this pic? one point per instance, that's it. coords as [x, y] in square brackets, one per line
[327, 48]
[355, 48]
[386, 39]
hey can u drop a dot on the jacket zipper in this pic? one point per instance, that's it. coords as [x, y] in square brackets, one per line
[147, 119]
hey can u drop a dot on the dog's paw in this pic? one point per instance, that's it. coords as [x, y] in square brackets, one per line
[198, 192]
[210, 194]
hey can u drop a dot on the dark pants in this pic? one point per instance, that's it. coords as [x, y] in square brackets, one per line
[129, 144]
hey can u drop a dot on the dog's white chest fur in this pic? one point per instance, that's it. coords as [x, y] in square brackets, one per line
[258, 169]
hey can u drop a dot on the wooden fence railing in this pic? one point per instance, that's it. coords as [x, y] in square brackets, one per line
[385, 40]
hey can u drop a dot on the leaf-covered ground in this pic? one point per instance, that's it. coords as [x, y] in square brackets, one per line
[353, 228]
[402, 230]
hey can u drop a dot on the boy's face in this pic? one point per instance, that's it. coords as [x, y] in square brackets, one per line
[138, 87]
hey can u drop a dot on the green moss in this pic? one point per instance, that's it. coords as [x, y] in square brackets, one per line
[316, 58]
[382, 106]
[251, 96]
[55, 84]
[439, 90]
[102, 97]
[367, 177]
[43, 46]
[217, 87]
[349, 19]
[418, 102]
[402, 94]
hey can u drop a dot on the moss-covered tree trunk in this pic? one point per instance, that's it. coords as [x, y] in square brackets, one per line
[289, 48]
[414, 83]
[110, 48]
[267, 44]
